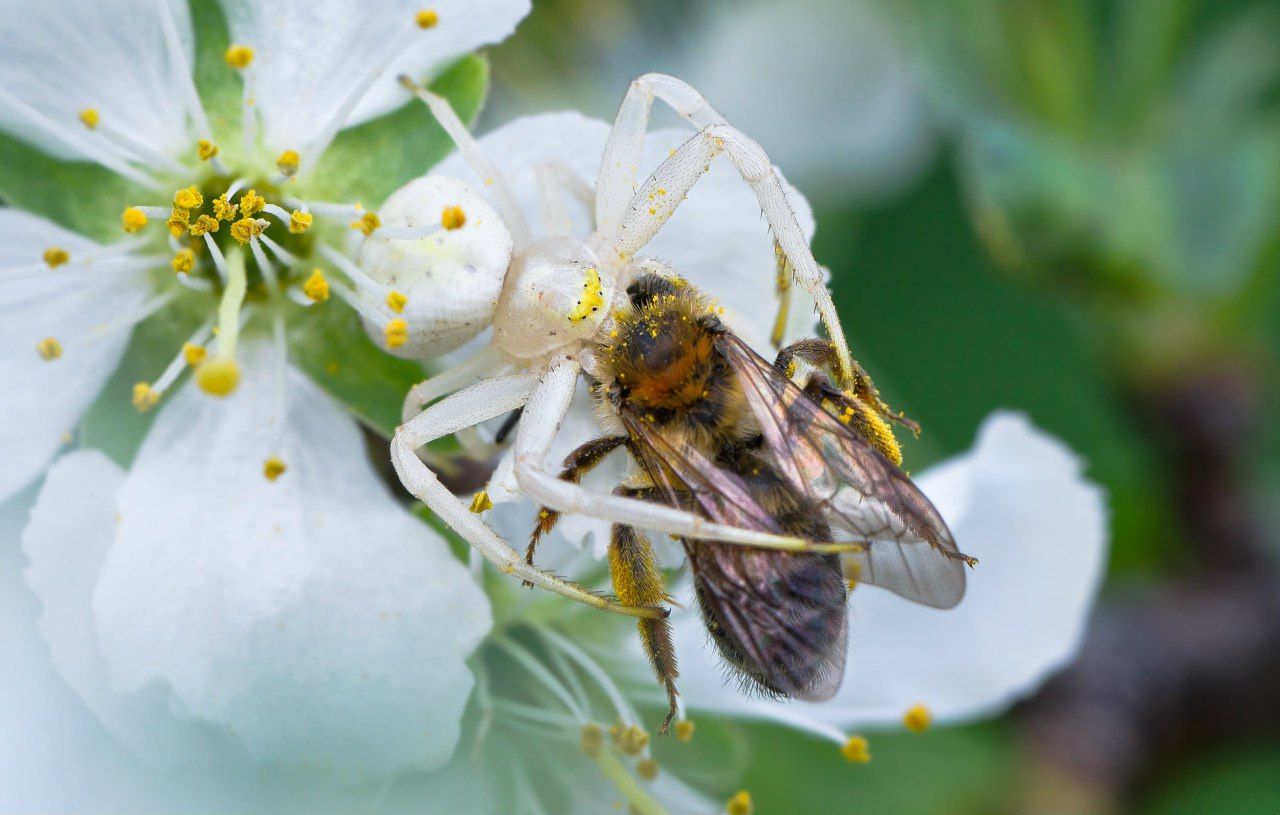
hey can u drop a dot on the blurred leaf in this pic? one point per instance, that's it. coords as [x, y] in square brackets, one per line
[220, 86]
[329, 343]
[1239, 781]
[1229, 76]
[1149, 36]
[369, 162]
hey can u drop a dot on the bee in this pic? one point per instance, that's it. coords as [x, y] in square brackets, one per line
[712, 427]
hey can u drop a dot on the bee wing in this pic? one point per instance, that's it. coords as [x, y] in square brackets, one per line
[778, 617]
[910, 550]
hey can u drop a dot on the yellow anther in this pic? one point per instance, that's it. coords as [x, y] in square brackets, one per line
[184, 260]
[145, 397]
[427, 18]
[246, 229]
[397, 333]
[917, 718]
[189, 198]
[592, 297]
[194, 354]
[288, 163]
[239, 56]
[273, 468]
[647, 769]
[592, 739]
[856, 750]
[55, 256]
[223, 209]
[684, 730]
[179, 221]
[367, 223]
[49, 348]
[632, 740]
[89, 117]
[453, 217]
[739, 804]
[251, 203]
[396, 301]
[480, 502]
[133, 219]
[218, 376]
[206, 149]
[316, 288]
[204, 225]
[300, 221]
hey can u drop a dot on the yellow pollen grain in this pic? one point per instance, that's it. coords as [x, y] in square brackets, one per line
[396, 301]
[427, 18]
[647, 769]
[217, 376]
[397, 333]
[480, 502]
[204, 225]
[273, 468]
[288, 163]
[188, 198]
[592, 297]
[49, 349]
[300, 221]
[206, 149]
[223, 209]
[55, 256]
[917, 718]
[739, 804]
[367, 223]
[251, 203]
[855, 750]
[133, 219]
[246, 229]
[239, 56]
[316, 288]
[144, 397]
[592, 738]
[184, 260]
[453, 217]
[684, 730]
[89, 117]
[194, 354]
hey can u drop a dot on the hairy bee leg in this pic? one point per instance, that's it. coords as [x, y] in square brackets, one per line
[576, 465]
[555, 178]
[638, 582]
[821, 354]
[547, 407]
[479, 403]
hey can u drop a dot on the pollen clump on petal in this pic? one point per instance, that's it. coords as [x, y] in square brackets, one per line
[184, 260]
[316, 288]
[188, 198]
[206, 149]
[145, 397]
[396, 301]
[397, 333]
[133, 219]
[300, 221]
[453, 218]
[684, 730]
[218, 377]
[427, 18]
[917, 718]
[49, 348]
[89, 117]
[288, 163]
[223, 209]
[194, 354]
[251, 203]
[739, 804]
[238, 56]
[856, 751]
[55, 256]
[481, 502]
[246, 229]
[367, 223]
[273, 468]
[204, 225]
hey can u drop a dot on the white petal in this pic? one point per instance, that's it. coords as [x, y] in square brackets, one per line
[65, 56]
[1039, 529]
[42, 400]
[309, 617]
[310, 57]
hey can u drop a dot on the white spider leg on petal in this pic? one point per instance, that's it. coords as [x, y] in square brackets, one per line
[309, 617]
[63, 57]
[1019, 503]
[43, 399]
[310, 57]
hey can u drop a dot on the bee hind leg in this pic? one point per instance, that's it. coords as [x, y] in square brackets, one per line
[638, 582]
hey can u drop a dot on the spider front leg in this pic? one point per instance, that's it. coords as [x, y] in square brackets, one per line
[479, 403]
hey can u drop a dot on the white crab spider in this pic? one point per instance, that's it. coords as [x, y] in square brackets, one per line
[556, 297]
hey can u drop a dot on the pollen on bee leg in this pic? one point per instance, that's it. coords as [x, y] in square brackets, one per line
[273, 468]
[739, 804]
[55, 256]
[481, 502]
[145, 397]
[49, 349]
[917, 718]
[396, 332]
[856, 750]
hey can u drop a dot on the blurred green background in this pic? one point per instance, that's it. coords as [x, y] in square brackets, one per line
[1067, 208]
